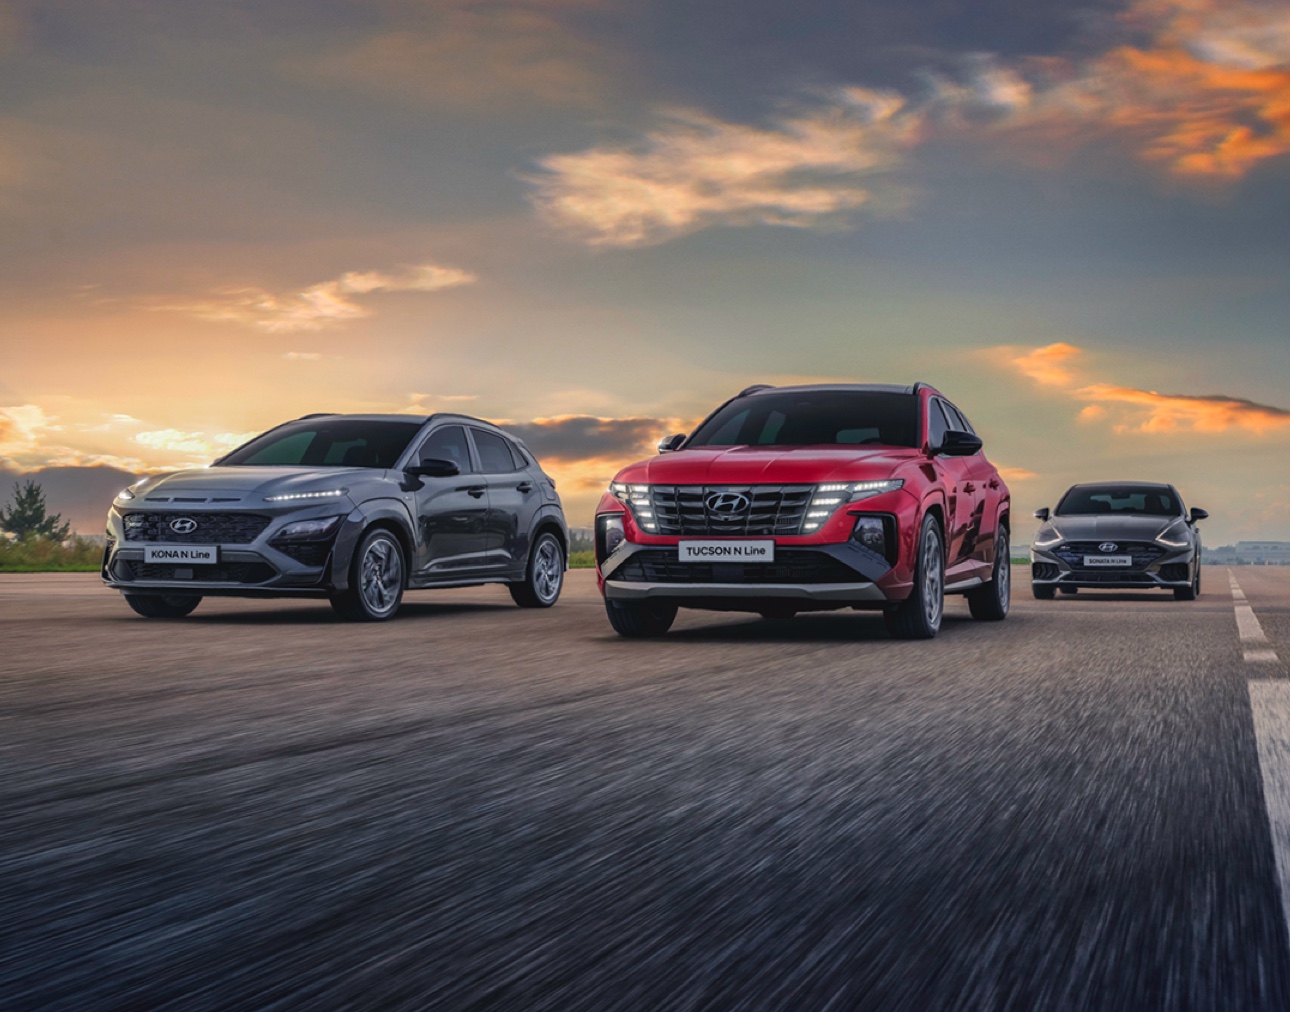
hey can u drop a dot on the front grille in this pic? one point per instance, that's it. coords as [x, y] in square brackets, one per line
[662, 566]
[223, 572]
[1123, 576]
[1072, 553]
[212, 528]
[771, 510]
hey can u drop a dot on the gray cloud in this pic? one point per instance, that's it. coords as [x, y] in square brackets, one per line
[586, 437]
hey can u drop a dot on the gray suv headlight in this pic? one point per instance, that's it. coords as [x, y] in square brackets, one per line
[308, 530]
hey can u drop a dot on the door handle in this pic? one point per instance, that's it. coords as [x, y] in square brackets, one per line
[969, 487]
[994, 483]
[472, 490]
[525, 487]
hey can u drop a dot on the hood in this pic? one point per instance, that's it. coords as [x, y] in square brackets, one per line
[202, 483]
[1110, 528]
[749, 465]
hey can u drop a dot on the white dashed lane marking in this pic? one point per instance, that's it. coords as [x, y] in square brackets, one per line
[1249, 630]
[1270, 703]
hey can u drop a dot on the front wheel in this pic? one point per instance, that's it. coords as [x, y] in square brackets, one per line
[163, 605]
[544, 576]
[989, 603]
[918, 617]
[638, 619]
[1043, 593]
[1189, 593]
[375, 580]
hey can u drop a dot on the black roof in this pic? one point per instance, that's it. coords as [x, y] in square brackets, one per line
[878, 388]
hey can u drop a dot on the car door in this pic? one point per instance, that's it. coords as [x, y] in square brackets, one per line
[959, 489]
[986, 488]
[452, 511]
[513, 499]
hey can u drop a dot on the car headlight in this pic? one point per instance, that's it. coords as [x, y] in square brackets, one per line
[1047, 538]
[827, 498]
[309, 530]
[126, 494]
[1174, 536]
[328, 493]
[638, 501]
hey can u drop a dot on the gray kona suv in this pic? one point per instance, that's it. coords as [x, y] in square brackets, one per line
[353, 508]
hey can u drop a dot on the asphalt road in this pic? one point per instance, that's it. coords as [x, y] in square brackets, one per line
[481, 807]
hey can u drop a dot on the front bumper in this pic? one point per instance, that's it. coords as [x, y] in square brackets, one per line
[263, 566]
[1170, 569]
[827, 575]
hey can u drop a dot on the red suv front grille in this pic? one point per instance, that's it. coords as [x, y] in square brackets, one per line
[770, 510]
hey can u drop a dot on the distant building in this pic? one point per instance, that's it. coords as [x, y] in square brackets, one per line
[1251, 553]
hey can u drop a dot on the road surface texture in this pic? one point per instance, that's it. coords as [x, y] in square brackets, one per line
[477, 806]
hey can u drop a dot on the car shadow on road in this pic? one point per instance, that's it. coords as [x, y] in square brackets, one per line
[817, 628]
[321, 614]
[1095, 597]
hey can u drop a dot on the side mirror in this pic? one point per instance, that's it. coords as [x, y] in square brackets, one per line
[1196, 514]
[435, 467]
[671, 443]
[960, 444]
[1042, 515]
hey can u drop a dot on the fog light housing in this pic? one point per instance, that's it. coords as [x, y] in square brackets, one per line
[610, 534]
[871, 533]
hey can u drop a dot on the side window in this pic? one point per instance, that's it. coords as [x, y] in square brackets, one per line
[494, 454]
[936, 424]
[518, 457]
[448, 443]
[958, 420]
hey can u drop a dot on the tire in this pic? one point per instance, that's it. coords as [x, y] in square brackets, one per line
[990, 602]
[163, 605]
[1043, 593]
[919, 616]
[1069, 591]
[1189, 593]
[639, 619]
[376, 579]
[544, 577]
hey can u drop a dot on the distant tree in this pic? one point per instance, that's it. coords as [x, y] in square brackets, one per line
[27, 516]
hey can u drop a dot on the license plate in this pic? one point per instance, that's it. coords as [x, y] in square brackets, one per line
[1108, 560]
[726, 551]
[181, 554]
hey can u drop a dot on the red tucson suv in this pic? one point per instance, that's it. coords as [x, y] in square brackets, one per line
[805, 498]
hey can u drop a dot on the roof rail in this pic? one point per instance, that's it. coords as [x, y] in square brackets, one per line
[316, 414]
[920, 385]
[754, 388]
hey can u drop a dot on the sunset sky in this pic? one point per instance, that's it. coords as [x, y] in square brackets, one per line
[596, 219]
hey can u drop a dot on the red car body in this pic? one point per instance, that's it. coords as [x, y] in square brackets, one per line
[942, 477]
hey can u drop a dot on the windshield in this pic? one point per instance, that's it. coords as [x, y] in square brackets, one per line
[1120, 500]
[813, 418]
[327, 442]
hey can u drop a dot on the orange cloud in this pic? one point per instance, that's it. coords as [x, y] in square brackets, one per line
[695, 171]
[1013, 475]
[1167, 413]
[1133, 410]
[319, 305]
[1048, 365]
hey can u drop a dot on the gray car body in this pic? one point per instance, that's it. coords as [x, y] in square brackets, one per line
[451, 532]
[1122, 531]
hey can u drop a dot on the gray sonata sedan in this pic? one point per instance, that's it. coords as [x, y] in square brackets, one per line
[352, 508]
[1128, 535]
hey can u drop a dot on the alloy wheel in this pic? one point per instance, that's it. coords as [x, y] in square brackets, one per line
[548, 570]
[381, 576]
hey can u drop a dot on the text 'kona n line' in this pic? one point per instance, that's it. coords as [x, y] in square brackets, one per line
[807, 498]
[353, 508]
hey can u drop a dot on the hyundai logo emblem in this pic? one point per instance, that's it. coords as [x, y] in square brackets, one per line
[183, 525]
[726, 503]
[1108, 546]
